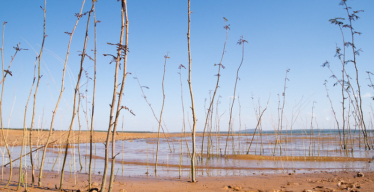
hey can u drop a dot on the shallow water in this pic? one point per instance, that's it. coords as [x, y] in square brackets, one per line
[133, 156]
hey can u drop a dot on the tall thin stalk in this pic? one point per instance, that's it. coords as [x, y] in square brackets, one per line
[83, 55]
[209, 142]
[86, 113]
[346, 83]
[353, 17]
[1, 110]
[24, 131]
[227, 28]
[153, 112]
[184, 121]
[193, 175]
[333, 111]
[119, 107]
[112, 106]
[240, 42]
[93, 104]
[282, 112]
[341, 57]
[280, 117]
[162, 109]
[5, 72]
[34, 103]
[59, 98]
[79, 131]
[259, 120]
[311, 130]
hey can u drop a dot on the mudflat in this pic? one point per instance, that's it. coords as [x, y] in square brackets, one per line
[308, 182]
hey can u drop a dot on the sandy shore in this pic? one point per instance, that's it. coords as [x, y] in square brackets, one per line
[310, 182]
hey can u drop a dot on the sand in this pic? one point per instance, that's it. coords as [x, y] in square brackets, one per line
[316, 182]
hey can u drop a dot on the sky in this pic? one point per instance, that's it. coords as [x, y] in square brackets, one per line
[281, 35]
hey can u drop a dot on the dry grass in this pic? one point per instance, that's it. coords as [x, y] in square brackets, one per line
[15, 137]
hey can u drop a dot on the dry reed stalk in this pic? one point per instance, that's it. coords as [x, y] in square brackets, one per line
[25, 130]
[342, 90]
[259, 120]
[153, 112]
[280, 116]
[59, 98]
[79, 134]
[85, 112]
[353, 17]
[282, 112]
[341, 56]
[217, 128]
[162, 109]
[342, 84]
[112, 106]
[311, 130]
[4, 74]
[349, 137]
[241, 41]
[209, 142]
[333, 111]
[34, 102]
[125, 23]
[193, 175]
[93, 103]
[183, 121]
[83, 55]
[226, 27]
[73, 168]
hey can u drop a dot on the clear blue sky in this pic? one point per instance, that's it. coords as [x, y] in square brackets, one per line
[281, 35]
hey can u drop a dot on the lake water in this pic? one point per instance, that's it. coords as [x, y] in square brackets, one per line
[133, 156]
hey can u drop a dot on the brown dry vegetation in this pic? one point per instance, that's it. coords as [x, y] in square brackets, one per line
[14, 137]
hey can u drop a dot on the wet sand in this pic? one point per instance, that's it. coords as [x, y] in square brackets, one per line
[316, 182]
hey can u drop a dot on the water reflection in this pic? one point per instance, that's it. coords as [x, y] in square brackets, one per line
[137, 157]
